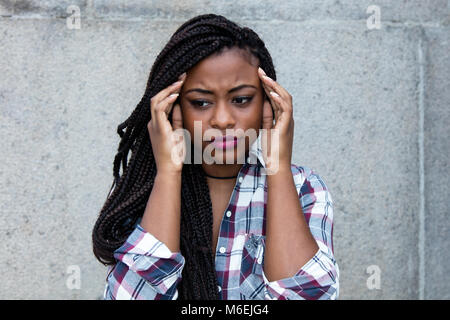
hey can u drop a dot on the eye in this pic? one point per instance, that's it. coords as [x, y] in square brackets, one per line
[202, 104]
[198, 103]
[248, 99]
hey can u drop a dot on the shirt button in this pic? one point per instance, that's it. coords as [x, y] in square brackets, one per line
[241, 179]
[259, 260]
[222, 249]
[228, 214]
[219, 288]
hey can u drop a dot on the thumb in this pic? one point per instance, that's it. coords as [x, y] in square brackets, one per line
[177, 120]
[267, 121]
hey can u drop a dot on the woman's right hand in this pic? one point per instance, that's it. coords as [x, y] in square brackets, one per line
[168, 145]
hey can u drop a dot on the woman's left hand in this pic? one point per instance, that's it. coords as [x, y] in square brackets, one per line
[277, 138]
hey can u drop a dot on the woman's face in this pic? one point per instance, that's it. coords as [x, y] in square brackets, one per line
[223, 92]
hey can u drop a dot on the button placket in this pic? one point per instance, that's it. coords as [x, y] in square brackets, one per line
[252, 258]
[228, 212]
[259, 254]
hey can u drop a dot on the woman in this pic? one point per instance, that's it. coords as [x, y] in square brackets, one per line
[258, 229]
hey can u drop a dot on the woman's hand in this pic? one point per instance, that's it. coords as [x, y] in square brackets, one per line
[168, 144]
[277, 138]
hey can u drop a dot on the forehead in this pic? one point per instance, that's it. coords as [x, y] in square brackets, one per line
[230, 65]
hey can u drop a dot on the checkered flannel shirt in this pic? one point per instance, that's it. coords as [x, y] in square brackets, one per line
[147, 269]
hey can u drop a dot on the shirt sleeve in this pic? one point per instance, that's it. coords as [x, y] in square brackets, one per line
[319, 277]
[146, 269]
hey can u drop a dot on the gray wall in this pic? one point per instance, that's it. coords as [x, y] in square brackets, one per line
[371, 111]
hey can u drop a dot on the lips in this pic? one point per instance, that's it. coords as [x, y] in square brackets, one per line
[224, 139]
[224, 142]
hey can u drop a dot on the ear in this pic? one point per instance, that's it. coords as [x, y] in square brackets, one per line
[267, 121]
[265, 97]
[177, 120]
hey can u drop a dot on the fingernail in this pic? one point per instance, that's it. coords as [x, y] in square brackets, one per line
[261, 70]
[174, 95]
[274, 94]
[177, 82]
[182, 76]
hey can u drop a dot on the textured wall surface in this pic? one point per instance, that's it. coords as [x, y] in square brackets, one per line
[372, 112]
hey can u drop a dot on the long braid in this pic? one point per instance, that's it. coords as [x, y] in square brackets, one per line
[193, 41]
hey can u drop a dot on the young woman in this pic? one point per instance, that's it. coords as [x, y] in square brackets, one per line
[258, 229]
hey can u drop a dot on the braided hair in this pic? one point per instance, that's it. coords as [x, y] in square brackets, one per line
[193, 41]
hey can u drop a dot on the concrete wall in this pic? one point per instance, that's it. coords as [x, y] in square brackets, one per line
[371, 110]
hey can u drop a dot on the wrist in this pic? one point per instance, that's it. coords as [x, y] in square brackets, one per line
[168, 174]
[277, 168]
[282, 171]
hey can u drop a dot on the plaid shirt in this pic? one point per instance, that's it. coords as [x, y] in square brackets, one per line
[147, 269]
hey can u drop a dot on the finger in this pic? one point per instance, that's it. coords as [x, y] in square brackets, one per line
[163, 94]
[285, 116]
[267, 86]
[274, 104]
[160, 110]
[275, 86]
[267, 115]
[152, 112]
[278, 102]
[168, 107]
[177, 120]
[173, 88]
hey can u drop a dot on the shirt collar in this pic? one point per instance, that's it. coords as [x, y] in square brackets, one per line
[255, 152]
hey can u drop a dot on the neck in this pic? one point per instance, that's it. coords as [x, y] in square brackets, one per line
[222, 171]
[221, 178]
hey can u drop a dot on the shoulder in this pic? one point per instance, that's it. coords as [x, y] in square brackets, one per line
[307, 180]
[302, 174]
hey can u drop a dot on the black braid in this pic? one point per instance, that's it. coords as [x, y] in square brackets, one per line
[193, 41]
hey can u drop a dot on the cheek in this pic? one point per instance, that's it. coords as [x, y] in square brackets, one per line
[252, 117]
[188, 120]
[188, 124]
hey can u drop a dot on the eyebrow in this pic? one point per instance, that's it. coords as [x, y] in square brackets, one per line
[229, 91]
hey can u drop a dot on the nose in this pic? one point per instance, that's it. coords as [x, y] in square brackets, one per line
[222, 117]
